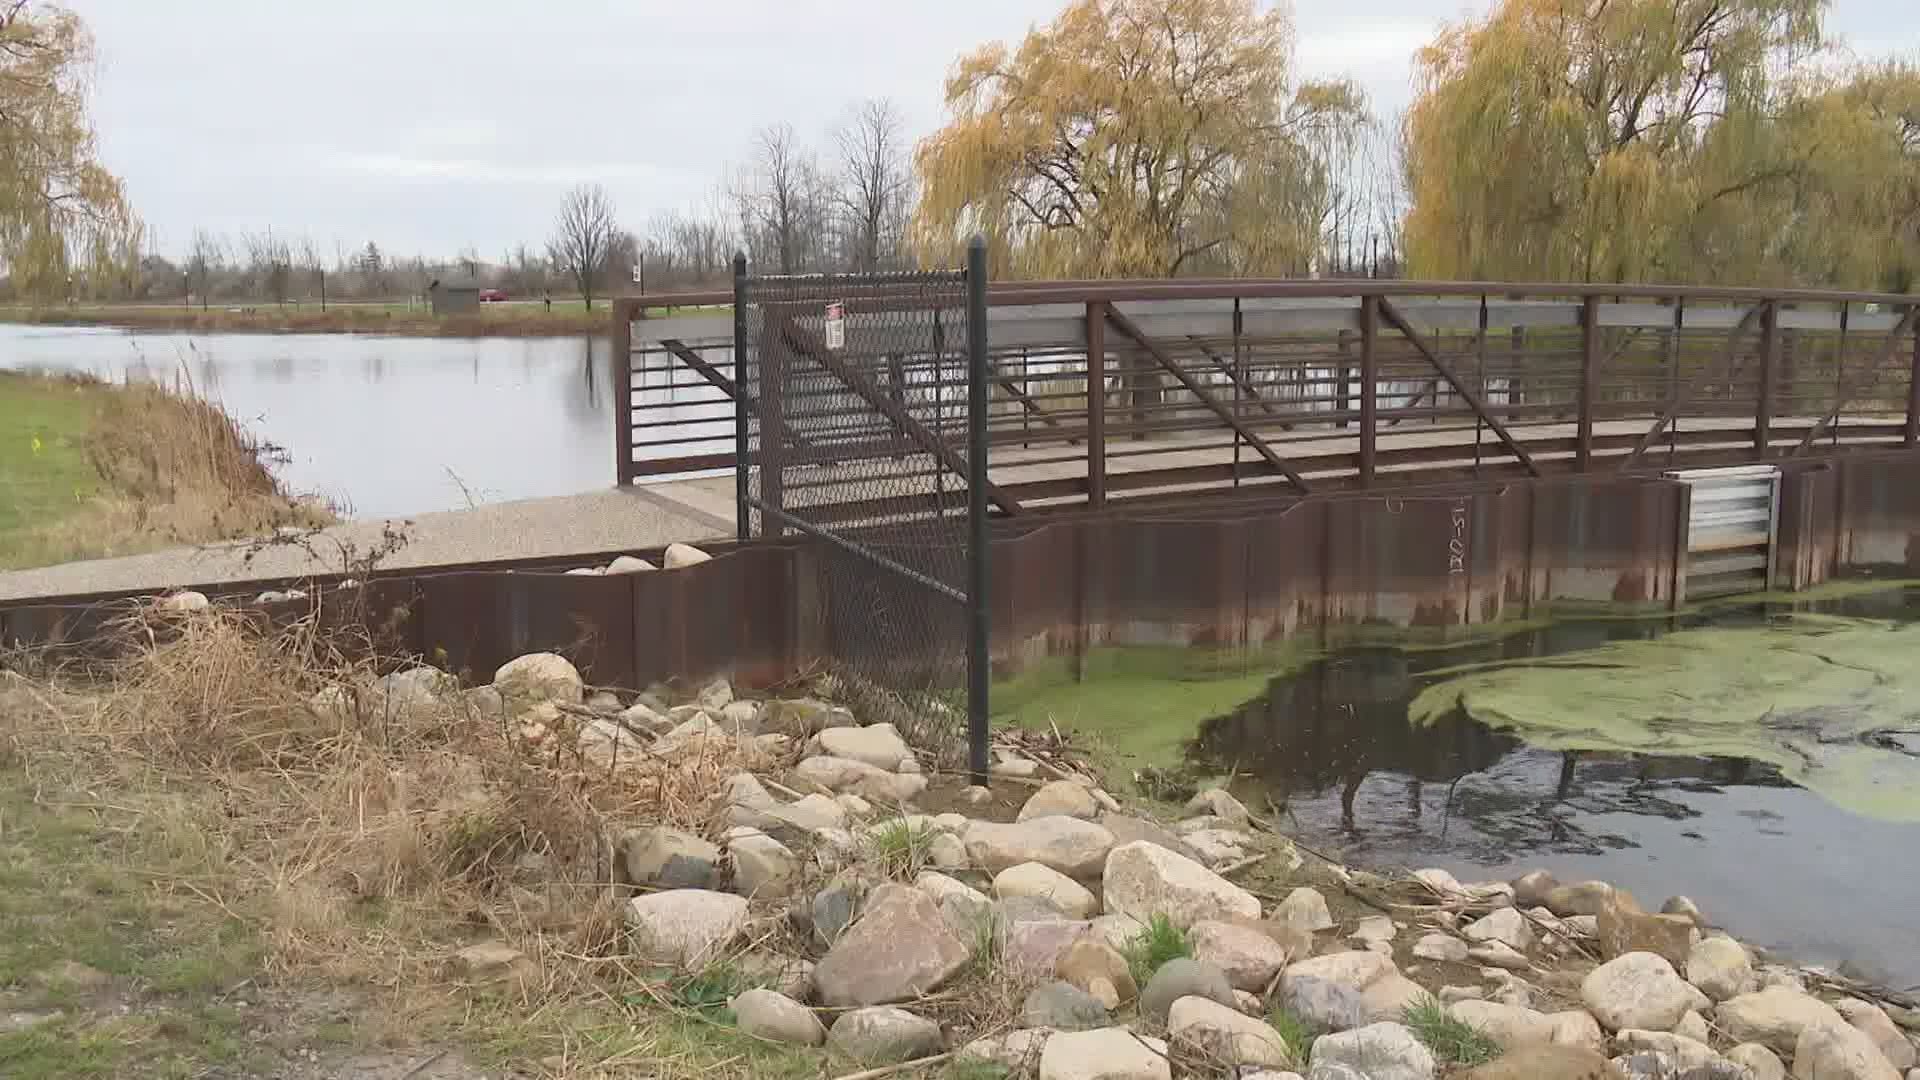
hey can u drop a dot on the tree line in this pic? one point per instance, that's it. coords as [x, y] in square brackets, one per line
[1713, 141]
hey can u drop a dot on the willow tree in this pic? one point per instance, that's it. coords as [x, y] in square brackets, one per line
[61, 211]
[1136, 137]
[1584, 139]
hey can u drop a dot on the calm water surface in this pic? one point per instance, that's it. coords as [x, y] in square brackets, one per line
[1775, 863]
[383, 425]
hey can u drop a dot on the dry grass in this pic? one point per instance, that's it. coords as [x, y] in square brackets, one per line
[370, 839]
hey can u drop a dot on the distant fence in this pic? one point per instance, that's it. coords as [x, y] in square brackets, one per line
[1116, 390]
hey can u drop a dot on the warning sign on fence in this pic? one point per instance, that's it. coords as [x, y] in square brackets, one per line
[837, 325]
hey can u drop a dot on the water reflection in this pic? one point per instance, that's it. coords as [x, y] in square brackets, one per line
[380, 424]
[1331, 750]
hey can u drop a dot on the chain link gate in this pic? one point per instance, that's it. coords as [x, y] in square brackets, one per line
[860, 417]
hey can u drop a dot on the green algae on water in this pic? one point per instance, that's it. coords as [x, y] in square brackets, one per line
[1830, 701]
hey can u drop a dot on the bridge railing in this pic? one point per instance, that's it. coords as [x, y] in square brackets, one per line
[1120, 389]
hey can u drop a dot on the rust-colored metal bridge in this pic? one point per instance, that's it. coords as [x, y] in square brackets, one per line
[1116, 391]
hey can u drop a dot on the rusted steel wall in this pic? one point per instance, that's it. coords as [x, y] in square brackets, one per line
[1210, 573]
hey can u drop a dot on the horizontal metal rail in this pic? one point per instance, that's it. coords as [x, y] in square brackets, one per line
[1132, 388]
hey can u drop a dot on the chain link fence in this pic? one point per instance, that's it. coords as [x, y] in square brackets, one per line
[858, 436]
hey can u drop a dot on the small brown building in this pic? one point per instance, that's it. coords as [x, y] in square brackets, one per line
[454, 294]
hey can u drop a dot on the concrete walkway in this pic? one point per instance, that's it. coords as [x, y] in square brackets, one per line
[641, 517]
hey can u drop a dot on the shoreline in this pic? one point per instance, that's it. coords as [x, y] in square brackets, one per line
[371, 319]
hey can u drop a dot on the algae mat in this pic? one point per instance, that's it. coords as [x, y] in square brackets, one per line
[1832, 702]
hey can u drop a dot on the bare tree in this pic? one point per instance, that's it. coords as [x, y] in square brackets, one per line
[269, 265]
[469, 260]
[582, 236]
[874, 182]
[307, 261]
[779, 196]
[206, 256]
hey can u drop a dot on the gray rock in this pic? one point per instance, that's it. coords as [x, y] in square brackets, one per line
[1144, 879]
[1763, 1063]
[1017, 1052]
[884, 1035]
[1873, 1021]
[899, 948]
[1049, 886]
[1305, 908]
[603, 701]
[868, 781]
[798, 717]
[1441, 947]
[1531, 888]
[1374, 928]
[1773, 1017]
[1031, 948]
[878, 745]
[628, 564]
[1127, 830]
[1682, 905]
[685, 927]
[1100, 970]
[1639, 990]
[1384, 1051]
[787, 975]
[1220, 804]
[1063, 1006]
[1107, 1054]
[1328, 1006]
[643, 717]
[1682, 1052]
[833, 909]
[537, 677]
[1249, 958]
[1720, 967]
[1506, 926]
[716, 695]
[1062, 798]
[1582, 898]
[1654, 1065]
[767, 1015]
[1221, 1033]
[667, 858]
[763, 868]
[947, 852]
[1074, 847]
[1183, 977]
[966, 910]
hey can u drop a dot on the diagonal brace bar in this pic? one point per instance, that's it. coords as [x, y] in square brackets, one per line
[726, 386]
[1420, 344]
[1127, 326]
[804, 342]
[1846, 393]
[1681, 396]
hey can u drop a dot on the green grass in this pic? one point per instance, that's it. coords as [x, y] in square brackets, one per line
[1452, 1040]
[900, 848]
[1158, 942]
[45, 474]
[91, 884]
[1295, 1032]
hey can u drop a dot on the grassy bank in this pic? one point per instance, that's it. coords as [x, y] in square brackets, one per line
[90, 470]
[566, 318]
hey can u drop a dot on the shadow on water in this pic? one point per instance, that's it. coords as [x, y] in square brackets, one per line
[1330, 748]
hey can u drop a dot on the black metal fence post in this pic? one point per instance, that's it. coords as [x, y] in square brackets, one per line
[979, 628]
[742, 512]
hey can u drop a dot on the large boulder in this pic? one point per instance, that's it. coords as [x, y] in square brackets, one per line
[1622, 930]
[1763, 1063]
[1384, 1051]
[1773, 1017]
[1839, 1052]
[1504, 925]
[1531, 888]
[687, 928]
[1720, 967]
[878, 745]
[1062, 798]
[1049, 886]
[537, 677]
[1639, 990]
[868, 781]
[1512, 1025]
[1305, 908]
[1127, 830]
[1224, 1034]
[1107, 1054]
[1063, 1006]
[1879, 1027]
[1100, 970]
[884, 1035]
[1183, 977]
[1144, 879]
[667, 858]
[777, 1017]
[1544, 1061]
[1586, 898]
[1074, 847]
[966, 910]
[899, 949]
[1032, 947]
[1249, 958]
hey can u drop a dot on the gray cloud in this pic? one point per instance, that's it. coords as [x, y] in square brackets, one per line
[433, 124]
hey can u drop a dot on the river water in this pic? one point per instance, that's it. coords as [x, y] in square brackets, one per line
[382, 426]
[1778, 864]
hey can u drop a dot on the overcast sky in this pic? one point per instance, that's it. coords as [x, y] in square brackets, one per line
[429, 125]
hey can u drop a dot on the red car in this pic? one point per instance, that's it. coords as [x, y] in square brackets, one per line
[493, 296]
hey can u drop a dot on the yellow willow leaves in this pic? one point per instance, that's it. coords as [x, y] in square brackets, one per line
[62, 214]
[1135, 137]
[1685, 140]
